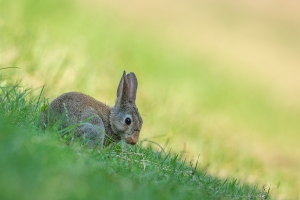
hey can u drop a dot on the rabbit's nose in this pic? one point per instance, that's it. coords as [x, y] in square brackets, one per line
[132, 140]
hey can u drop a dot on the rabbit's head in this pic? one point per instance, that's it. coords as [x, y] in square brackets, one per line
[125, 119]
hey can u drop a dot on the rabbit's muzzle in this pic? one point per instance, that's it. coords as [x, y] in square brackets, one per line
[133, 138]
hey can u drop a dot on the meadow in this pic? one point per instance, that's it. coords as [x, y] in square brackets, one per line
[236, 134]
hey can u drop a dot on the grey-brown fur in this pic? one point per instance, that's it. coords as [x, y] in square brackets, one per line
[99, 122]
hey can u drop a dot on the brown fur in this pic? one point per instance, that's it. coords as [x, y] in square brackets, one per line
[100, 123]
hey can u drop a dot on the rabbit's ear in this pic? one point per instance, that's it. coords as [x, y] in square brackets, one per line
[123, 90]
[127, 89]
[133, 84]
[121, 86]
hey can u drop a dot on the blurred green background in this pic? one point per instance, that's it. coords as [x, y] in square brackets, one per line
[218, 80]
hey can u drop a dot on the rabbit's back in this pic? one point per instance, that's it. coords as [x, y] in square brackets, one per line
[75, 105]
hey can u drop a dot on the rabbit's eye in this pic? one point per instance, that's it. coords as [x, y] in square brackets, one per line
[128, 121]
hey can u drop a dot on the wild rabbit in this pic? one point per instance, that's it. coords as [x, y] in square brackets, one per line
[99, 124]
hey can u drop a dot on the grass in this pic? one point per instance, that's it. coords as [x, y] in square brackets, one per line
[187, 105]
[38, 165]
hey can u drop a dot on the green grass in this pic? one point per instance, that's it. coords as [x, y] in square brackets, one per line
[38, 165]
[187, 105]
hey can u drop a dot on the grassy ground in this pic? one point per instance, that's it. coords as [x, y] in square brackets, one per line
[38, 165]
[187, 105]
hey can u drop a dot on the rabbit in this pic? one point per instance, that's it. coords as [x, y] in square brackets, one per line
[99, 123]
